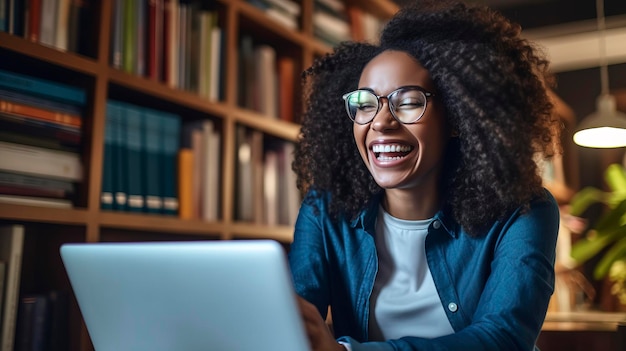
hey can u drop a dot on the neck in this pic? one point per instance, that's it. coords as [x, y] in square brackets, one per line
[412, 204]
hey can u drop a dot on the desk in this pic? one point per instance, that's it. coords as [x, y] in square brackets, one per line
[583, 331]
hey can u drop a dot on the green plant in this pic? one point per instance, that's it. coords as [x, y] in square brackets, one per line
[608, 234]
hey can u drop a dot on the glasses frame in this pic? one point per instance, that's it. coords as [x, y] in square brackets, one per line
[427, 94]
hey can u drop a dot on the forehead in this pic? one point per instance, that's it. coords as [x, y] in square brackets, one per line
[392, 69]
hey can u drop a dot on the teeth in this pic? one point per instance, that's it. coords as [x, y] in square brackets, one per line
[391, 148]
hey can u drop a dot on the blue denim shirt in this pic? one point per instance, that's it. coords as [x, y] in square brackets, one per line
[494, 288]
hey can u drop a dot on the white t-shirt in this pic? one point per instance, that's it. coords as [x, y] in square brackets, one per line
[404, 300]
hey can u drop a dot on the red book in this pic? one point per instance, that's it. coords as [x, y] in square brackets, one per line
[34, 19]
[155, 39]
[286, 82]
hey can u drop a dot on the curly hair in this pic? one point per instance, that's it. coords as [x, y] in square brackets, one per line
[492, 83]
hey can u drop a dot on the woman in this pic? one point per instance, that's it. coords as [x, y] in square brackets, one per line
[425, 225]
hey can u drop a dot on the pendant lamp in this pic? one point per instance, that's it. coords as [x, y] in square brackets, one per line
[605, 128]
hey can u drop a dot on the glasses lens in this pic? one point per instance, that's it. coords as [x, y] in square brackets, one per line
[408, 104]
[362, 106]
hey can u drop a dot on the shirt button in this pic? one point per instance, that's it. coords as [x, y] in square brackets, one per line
[436, 224]
[453, 307]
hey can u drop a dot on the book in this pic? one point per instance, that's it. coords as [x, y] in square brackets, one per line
[171, 144]
[270, 188]
[108, 191]
[115, 116]
[117, 41]
[61, 40]
[70, 137]
[35, 201]
[40, 102]
[133, 148]
[44, 88]
[40, 161]
[185, 183]
[11, 248]
[210, 171]
[286, 88]
[23, 110]
[265, 93]
[58, 334]
[152, 158]
[34, 19]
[244, 210]
[48, 27]
[33, 323]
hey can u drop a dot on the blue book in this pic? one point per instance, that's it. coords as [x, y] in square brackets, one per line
[169, 168]
[43, 88]
[152, 158]
[115, 112]
[107, 194]
[133, 148]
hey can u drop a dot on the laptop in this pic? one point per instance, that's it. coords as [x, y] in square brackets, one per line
[207, 295]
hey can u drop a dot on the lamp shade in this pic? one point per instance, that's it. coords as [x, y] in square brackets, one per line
[605, 128]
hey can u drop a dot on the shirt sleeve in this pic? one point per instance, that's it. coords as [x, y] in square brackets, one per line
[514, 300]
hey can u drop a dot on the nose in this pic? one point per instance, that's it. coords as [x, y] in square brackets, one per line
[384, 120]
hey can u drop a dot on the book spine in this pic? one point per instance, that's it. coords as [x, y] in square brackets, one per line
[185, 183]
[152, 162]
[34, 19]
[118, 124]
[117, 42]
[134, 150]
[39, 113]
[171, 143]
[106, 196]
[29, 126]
[40, 87]
[35, 160]
[47, 104]
[12, 239]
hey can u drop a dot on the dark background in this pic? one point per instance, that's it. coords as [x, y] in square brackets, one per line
[577, 88]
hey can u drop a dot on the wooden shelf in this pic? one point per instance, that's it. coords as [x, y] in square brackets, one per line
[92, 72]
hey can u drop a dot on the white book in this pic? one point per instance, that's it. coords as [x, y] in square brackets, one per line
[288, 6]
[62, 24]
[215, 63]
[35, 201]
[48, 26]
[270, 187]
[34, 160]
[210, 171]
[244, 176]
[11, 248]
[289, 181]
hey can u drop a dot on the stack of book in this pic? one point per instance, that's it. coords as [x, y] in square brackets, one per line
[139, 170]
[266, 191]
[56, 23]
[199, 171]
[40, 135]
[267, 81]
[330, 22]
[286, 12]
[178, 42]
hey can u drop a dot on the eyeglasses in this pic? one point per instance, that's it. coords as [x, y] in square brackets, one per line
[406, 104]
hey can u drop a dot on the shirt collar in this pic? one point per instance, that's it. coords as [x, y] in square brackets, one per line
[367, 218]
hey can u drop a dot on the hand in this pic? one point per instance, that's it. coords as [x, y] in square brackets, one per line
[320, 337]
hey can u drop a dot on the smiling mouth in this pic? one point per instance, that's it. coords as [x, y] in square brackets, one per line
[391, 152]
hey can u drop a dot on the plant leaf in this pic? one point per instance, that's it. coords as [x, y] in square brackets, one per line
[585, 198]
[616, 252]
[615, 177]
[612, 218]
[586, 248]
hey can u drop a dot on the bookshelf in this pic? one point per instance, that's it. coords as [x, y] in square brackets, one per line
[90, 69]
